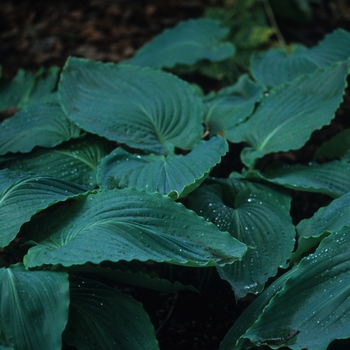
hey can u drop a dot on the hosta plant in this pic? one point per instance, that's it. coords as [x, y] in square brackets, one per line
[112, 168]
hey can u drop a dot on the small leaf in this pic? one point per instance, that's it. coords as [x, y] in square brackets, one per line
[42, 125]
[277, 66]
[131, 225]
[231, 105]
[289, 114]
[312, 308]
[177, 175]
[33, 308]
[332, 178]
[255, 218]
[100, 317]
[23, 195]
[186, 43]
[336, 147]
[141, 107]
[75, 161]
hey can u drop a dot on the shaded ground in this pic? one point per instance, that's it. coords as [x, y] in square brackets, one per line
[36, 33]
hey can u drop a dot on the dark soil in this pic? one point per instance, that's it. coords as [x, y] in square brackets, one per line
[42, 33]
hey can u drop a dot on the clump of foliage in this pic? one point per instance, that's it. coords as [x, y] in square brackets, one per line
[111, 166]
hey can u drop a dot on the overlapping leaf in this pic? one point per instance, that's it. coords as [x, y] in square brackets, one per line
[128, 224]
[278, 66]
[33, 308]
[312, 308]
[289, 114]
[101, 317]
[332, 178]
[23, 195]
[144, 108]
[231, 105]
[42, 125]
[75, 161]
[186, 43]
[257, 219]
[175, 175]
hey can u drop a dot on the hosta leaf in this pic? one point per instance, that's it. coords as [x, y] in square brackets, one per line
[26, 89]
[336, 147]
[100, 317]
[186, 43]
[42, 125]
[34, 308]
[128, 224]
[330, 218]
[231, 105]
[312, 308]
[332, 178]
[177, 175]
[255, 218]
[278, 66]
[289, 114]
[23, 195]
[75, 161]
[141, 107]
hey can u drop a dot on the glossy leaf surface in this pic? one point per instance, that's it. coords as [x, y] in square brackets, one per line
[174, 175]
[144, 108]
[102, 317]
[33, 308]
[186, 43]
[255, 218]
[128, 224]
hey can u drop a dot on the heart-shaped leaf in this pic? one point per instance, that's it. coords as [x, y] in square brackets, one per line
[144, 108]
[23, 195]
[289, 114]
[33, 308]
[128, 224]
[312, 308]
[42, 125]
[75, 161]
[332, 178]
[186, 43]
[101, 317]
[177, 175]
[257, 219]
[278, 66]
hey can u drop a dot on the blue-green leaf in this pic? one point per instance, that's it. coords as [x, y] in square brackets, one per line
[257, 219]
[42, 125]
[278, 66]
[144, 108]
[23, 195]
[288, 115]
[33, 308]
[125, 225]
[186, 43]
[101, 317]
[174, 175]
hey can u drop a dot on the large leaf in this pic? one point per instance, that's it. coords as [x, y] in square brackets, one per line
[330, 218]
[186, 43]
[231, 105]
[143, 108]
[289, 114]
[278, 66]
[23, 195]
[332, 178]
[257, 219]
[176, 175]
[33, 308]
[100, 317]
[128, 224]
[75, 161]
[312, 308]
[42, 125]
